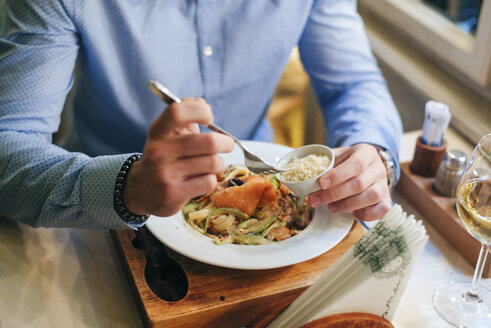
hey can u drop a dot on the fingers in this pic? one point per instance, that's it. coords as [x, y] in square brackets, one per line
[188, 168]
[351, 163]
[354, 186]
[163, 188]
[177, 195]
[202, 100]
[177, 163]
[188, 145]
[199, 185]
[368, 205]
[180, 115]
[373, 212]
[171, 197]
[357, 183]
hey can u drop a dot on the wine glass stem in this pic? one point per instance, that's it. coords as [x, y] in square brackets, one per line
[472, 294]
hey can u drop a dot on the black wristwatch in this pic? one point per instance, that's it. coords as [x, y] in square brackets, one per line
[390, 165]
[128, 217]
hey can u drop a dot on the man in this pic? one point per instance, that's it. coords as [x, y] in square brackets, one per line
[230, 53]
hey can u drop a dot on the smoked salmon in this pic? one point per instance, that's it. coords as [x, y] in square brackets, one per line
[244, 198]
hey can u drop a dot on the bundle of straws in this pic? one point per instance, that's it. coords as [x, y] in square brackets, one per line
[370, 277]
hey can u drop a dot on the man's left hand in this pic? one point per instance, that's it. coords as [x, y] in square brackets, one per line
[357, 183]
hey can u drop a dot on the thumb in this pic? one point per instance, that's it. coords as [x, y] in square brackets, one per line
[180, 118]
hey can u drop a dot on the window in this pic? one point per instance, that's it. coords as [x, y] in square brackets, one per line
[456, 32]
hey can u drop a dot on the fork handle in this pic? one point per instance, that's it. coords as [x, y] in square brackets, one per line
[163, 93]
[218, 129]
[168, 97]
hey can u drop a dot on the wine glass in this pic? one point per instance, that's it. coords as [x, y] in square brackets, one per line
[461, 303]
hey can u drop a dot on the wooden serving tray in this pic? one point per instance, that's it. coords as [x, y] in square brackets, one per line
[217, 297]
[441, 213]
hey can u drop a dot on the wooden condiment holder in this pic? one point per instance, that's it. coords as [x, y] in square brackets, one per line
[427, 159]
[221, 297]
[441, 213]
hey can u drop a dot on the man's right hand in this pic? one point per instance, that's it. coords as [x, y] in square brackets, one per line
[178, 163]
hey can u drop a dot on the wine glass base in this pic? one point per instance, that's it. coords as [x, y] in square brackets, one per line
[451, 303]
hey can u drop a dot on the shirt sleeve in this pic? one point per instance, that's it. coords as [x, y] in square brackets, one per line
[350, 88]
[42, 184]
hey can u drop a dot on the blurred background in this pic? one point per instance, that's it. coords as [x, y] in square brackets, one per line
[427, 50]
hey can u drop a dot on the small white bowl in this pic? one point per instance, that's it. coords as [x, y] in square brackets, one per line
[306, 187]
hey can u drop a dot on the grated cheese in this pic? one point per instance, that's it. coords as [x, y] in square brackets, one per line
[305, 168]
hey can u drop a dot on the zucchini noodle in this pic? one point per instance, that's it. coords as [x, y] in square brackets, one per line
[247, 209]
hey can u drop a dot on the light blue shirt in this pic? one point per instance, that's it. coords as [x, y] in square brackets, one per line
[231, 52]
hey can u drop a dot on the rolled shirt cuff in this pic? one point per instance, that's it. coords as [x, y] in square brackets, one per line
[98, 182]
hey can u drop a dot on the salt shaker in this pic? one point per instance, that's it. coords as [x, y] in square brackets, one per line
[448, 175]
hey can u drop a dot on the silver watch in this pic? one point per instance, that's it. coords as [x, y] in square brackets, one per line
[389, 162]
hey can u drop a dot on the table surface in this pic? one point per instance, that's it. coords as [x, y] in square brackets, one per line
[72, 277]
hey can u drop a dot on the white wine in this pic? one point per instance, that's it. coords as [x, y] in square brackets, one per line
[474, 207]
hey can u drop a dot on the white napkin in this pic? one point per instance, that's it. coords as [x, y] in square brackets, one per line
[370, 277]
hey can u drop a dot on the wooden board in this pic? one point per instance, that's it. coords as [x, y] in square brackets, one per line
[441, 213]
[221, 297]
[351, 319]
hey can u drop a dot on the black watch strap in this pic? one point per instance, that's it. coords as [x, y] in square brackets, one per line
[119, 206]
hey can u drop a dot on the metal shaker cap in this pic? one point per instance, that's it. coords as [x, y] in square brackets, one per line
[455, 159]
[448, 175]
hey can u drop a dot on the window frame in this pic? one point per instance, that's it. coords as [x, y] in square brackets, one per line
[439, 36]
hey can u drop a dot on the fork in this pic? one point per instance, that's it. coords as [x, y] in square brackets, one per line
[253, 162]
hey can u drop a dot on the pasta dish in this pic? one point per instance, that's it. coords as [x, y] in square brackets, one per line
[248, 209]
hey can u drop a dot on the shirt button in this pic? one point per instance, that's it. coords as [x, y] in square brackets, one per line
[208, 51]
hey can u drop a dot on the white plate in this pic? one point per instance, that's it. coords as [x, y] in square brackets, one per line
[324, 232]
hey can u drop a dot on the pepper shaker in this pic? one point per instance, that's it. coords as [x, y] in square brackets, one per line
[449, 172]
